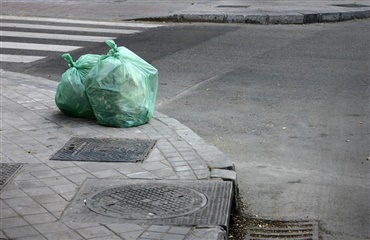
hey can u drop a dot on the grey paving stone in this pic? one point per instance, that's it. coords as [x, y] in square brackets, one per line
[55, 181]
[216, 233]
[80, 225]
[151, 235]
[40, 218]
[22, 201]
[71, 171]
[45, 174]
[12, 222]
[19, 232]
[7, 213]
[122, 228]
[171, 236]
[186, 175]
[94, 232]
[131, 235]
[67, 235]
[79, 178]
[50, 227]
[14, 193]
[158, 228]
[164, 173]
[37, 237]
[55, 207]
[39, 191]
[224, 174]
[107, 173]
[28, 183]
[146, 175]
[153, 166]
[50, 198]
[179, 230]
[64, 188]
[29, 209]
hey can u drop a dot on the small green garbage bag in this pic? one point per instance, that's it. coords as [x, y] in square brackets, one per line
[122, 88]
[70, 96]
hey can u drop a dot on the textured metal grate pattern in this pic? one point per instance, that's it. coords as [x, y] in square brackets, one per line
[7, 172]
[146, 201]
[158, 202]
[279, 230]
[105, 150]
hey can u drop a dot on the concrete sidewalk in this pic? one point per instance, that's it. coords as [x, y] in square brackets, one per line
[228, 11]
[33, 129]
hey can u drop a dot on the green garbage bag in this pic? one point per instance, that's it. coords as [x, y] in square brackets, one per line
[122, 88]
[70, 96]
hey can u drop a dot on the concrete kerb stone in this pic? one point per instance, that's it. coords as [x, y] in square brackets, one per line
[299, 17]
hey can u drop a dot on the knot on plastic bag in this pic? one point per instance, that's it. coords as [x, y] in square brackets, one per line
[114, 49]
[69, 59]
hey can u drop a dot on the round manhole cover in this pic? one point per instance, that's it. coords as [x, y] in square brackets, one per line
[146, 201]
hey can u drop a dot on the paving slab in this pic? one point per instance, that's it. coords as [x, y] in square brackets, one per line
[33, 130]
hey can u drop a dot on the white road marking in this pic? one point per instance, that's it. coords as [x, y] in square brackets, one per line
[40, 47]
[19, 58]
[68, 28]
[55, 36]
[87, 22]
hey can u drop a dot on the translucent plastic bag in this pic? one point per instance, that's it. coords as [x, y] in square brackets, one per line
[122, 88]
[70, 96]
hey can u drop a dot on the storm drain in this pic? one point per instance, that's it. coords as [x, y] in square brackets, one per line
[351, 5]
[268, 229]
[105, 150]
[7, 172]
[182, 203]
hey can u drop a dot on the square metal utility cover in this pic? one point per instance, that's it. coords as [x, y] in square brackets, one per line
[7, 172]
[163, 202]
[105, 150]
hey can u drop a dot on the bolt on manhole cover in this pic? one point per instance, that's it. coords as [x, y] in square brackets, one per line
[146, 201]
[295, 230]
[7, 172]
[351, 5]
[163, 202]
[105, 150]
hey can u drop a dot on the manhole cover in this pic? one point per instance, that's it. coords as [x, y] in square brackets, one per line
[105, 150]
[160, 202]
[351, 5]
[146, 201]
[268, 229]
[7, 172]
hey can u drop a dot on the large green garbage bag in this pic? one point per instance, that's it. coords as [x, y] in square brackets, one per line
[122, 88]
[70, 96]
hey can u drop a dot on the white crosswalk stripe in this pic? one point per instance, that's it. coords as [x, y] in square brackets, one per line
[19, 58]
[17, 33]
[69, 28]
[40, 47]
[83, 38]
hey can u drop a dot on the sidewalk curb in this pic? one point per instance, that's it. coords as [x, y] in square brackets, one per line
[265, 19]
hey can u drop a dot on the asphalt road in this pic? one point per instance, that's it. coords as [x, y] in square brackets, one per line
[288, 103]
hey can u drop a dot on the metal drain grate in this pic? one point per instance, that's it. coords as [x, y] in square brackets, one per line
[146, 201]
[161, 202]
[105, 150]
[351, 5]
[7, 172]
[268, 229]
